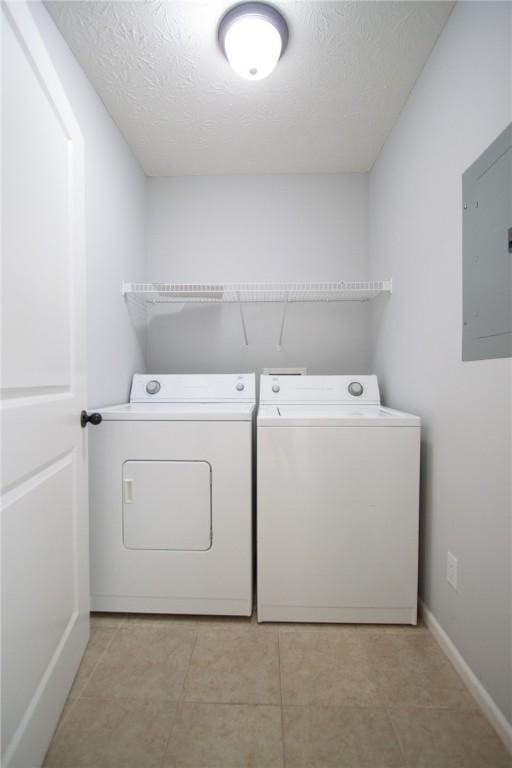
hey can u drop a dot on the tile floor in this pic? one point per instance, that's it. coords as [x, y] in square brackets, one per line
[180, 692]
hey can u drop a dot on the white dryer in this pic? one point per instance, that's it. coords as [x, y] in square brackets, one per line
[171, 497]
[338, 487]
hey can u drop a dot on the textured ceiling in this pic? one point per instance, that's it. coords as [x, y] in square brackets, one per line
[328, 106]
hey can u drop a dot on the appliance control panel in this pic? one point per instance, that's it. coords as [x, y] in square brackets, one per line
[340, 390]
[193, 388]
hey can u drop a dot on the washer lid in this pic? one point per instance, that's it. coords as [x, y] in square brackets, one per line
[334, 415]
[178, 412]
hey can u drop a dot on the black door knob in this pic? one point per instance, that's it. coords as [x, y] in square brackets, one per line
[92, 418]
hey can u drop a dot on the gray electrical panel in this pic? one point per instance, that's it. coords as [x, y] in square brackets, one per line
[487, 253]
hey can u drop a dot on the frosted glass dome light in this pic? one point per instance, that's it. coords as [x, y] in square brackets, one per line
[253, 37]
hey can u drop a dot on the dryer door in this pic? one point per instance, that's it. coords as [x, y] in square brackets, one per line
[167, 505]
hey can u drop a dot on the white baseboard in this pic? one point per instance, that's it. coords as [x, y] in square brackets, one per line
[487, 704]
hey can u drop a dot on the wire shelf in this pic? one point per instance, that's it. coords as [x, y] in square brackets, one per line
[163, 293]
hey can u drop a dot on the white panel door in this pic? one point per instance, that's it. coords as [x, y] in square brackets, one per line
[45, 589]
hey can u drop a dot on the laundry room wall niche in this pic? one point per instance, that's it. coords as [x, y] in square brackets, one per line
[264, 229]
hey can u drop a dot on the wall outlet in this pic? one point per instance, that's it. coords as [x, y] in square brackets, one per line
[452, 567]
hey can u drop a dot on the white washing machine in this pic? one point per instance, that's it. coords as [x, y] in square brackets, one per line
[338, 487]
[171, 497]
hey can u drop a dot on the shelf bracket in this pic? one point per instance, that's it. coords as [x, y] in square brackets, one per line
[242, 319]
[283, 320]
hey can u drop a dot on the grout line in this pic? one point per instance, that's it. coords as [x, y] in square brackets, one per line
[100, 659]
[283, 748]
[397, 737]
[245, 703]
[145, 699]
[181, 697]
[178, 705]
[231, 703]
[181, 700]
[71, 703]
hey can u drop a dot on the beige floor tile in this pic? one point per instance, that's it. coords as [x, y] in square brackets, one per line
[230, 674]
[102, 733]
[433, 738]
[226, 736]
[326, 668]
[340, 737]
[144, 662]
[98, 643]
[411, 670]
[234, 667]
[107, 620]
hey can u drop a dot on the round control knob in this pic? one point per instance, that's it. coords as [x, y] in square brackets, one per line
[240, 386]
[355, 388]
[152, 387]
[276, 388]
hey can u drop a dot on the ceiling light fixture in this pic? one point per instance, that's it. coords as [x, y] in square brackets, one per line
[253, 37]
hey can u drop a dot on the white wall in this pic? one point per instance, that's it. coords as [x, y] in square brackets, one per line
[115, 189]
[258, 228]
[459, 105]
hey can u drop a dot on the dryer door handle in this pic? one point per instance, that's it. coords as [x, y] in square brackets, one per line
[128, 490]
